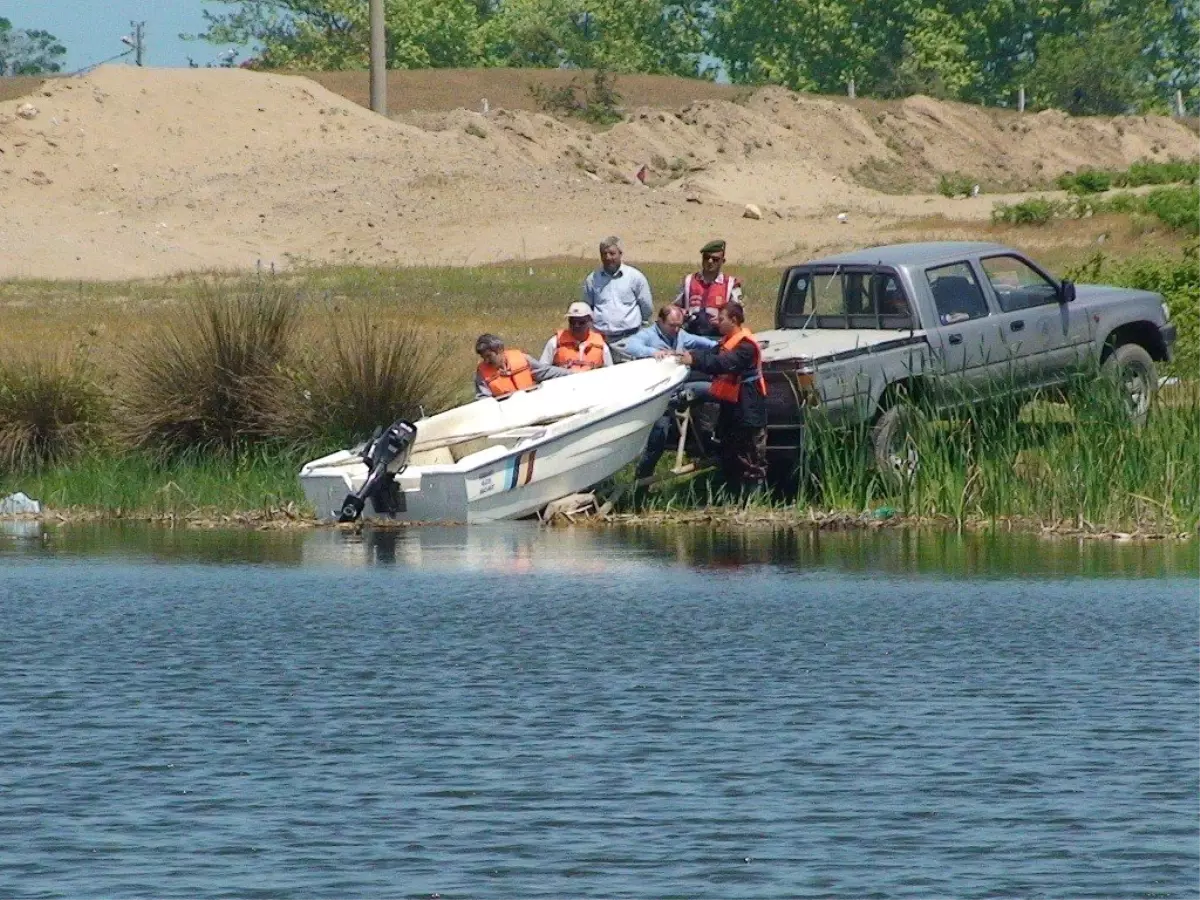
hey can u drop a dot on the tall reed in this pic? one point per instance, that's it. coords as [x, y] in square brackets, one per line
[51, 411]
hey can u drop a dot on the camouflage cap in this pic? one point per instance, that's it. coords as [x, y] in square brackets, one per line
[717, 246]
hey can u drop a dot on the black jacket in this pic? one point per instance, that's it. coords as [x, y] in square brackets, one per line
[751, 409]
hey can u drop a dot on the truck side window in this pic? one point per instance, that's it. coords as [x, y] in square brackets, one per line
[956, 293]
[1018, 285]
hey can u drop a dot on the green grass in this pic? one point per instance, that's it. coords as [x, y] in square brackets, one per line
[135, 484]
[1177, 207]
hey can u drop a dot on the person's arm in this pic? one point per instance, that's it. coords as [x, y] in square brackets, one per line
[689, 341]
[587, 295]
[638, 346]
[481, 386]
[541, 371]
[549, 350]
[716, 362]
[681, 297]
[608, 360]
[644, 299]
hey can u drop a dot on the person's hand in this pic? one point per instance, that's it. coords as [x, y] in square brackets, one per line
[685, 357]
[663, 354]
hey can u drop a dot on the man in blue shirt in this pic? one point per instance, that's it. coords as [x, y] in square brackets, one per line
[665, 337]
[619, 295]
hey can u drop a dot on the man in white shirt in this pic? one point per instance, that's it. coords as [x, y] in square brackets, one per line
[618, 294]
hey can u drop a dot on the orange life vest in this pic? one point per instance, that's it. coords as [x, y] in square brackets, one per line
[571, 354]
[513, 375]
[728, 387]
[711, 298]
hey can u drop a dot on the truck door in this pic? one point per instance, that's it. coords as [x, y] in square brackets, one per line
[966, 329]
[1045, 339]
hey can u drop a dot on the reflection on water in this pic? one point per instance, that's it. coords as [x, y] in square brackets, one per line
[524, 547]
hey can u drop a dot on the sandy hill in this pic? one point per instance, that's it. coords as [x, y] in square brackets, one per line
[132, 172]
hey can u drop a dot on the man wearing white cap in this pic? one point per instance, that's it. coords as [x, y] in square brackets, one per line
[578, 347]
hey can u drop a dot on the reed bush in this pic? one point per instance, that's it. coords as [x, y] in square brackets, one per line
[363, 373]
[206, 380]
[51, 411]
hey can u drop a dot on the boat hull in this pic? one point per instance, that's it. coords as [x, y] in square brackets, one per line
[550, 463]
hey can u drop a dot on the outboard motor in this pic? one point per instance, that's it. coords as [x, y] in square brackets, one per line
[385, 455]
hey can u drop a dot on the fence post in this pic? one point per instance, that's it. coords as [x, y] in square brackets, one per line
[1179, 110]
[378, 58]
[850, 89]
[1021, 99]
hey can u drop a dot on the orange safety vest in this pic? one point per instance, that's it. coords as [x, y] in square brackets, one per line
[573, 355]
[728, 387]
[711, 298]
[514, 375]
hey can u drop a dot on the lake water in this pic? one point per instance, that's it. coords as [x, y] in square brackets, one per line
[513, 712]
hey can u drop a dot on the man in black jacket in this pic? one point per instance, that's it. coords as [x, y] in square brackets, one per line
[736, 367]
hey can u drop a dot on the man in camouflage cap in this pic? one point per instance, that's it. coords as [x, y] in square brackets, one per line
[704, 293]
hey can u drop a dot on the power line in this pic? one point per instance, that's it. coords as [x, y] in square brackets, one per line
[101, 63]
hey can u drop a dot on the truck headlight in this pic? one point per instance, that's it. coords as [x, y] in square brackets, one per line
[1166, 313]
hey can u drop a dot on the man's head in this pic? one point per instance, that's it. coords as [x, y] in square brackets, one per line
[670, 320]
[490, 349]
[579, 320]
[712, 257]
[611, 251]
[731, 318]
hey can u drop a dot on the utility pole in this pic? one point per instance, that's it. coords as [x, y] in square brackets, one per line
[139, 41]
[378, 59]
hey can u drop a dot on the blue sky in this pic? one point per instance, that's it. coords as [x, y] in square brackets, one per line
[91, 30]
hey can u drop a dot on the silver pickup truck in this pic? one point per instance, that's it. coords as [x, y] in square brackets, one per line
[862, 335]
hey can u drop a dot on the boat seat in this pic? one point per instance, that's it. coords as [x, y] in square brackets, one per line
[438, 456]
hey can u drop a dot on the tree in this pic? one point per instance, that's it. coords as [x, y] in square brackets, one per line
[29, 52]
[655, 36]
[335, 34]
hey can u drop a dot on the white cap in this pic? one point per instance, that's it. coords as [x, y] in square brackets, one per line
[579, 310]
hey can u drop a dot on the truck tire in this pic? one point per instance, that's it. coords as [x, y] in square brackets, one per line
[1132, 369]
[894, 446]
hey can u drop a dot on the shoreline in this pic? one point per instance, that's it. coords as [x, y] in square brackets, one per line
[291, 518]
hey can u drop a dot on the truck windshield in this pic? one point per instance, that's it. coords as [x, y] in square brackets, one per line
[839, 298]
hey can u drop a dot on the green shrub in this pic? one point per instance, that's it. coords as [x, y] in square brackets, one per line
[1147, 171]
[955, 184]
[598, 103]
[51, 411]
[208, 380]
[1034, 211]
[1088, 181]
[362, 375]
[1178, 207]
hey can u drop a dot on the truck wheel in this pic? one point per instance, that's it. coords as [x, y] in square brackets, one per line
[893, 440]
[1133, 371]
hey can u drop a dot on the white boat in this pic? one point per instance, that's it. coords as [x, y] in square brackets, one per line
[501, 459]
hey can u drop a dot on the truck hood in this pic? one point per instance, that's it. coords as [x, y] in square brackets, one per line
[1104, 293]
[816, 343]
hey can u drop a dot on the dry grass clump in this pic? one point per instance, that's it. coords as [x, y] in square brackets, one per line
[206, 381]
[51, 410]
[363, 373]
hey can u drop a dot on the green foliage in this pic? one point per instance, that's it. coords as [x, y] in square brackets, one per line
[956, 185]
[1086, 181]
[598, 103]
[361, 375]
[208, 381]
[1034, 211]
[335, 34]
[50, 412]
[1148, 171]
[29, 52]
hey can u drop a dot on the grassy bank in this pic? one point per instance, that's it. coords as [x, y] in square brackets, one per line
[200, 398]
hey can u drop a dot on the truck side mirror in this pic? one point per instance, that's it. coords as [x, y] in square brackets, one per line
[1066, 292]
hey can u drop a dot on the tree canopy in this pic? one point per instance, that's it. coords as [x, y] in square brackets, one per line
[1086, 56]
[29, 52]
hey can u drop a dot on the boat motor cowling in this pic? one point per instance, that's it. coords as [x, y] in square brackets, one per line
[384, 455]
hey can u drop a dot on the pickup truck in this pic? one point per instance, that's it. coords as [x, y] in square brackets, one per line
[863, 335]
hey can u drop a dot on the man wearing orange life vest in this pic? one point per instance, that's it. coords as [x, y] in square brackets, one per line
[736, 367]
[706, 292]
[578, 347]
[502, 372]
